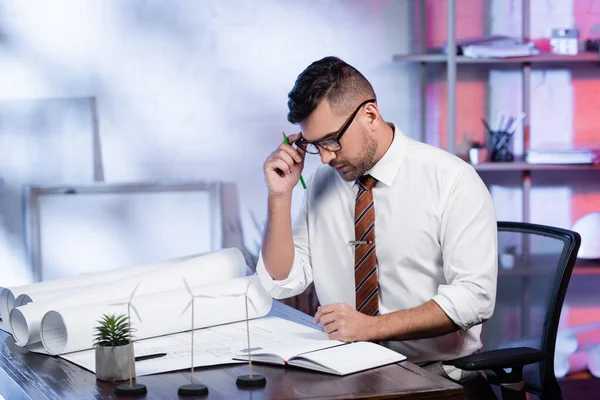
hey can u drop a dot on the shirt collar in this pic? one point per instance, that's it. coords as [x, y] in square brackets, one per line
[386, 169]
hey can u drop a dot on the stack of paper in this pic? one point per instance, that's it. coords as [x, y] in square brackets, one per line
[500, 49]
[497, 46]
[563, 156]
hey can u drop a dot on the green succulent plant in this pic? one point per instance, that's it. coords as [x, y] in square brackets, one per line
[113, 331]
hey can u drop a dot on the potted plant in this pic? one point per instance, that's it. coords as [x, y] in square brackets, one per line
[112, 341]
[507, 258]
[478, 153]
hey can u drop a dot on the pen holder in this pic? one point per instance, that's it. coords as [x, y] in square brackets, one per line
[499, 147]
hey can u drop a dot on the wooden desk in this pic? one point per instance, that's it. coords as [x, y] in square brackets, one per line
[25, 375]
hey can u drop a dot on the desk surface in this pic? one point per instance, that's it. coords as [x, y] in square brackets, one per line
[25, 375]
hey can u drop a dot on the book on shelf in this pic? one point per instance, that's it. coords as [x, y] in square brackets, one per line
[564, 155]
[496, 46]
[328, 356]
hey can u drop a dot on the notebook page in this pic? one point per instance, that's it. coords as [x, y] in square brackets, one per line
[347, 359]
[288, 352]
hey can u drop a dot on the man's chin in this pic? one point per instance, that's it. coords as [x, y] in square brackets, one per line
[348, 176]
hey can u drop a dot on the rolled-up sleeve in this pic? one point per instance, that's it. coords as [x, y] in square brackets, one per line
[469, 241]
[300, 276]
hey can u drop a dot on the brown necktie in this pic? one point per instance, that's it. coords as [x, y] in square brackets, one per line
[365, 259]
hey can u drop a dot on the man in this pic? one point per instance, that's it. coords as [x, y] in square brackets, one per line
[399, 237]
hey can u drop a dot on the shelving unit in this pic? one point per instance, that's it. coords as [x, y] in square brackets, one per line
[426, 57]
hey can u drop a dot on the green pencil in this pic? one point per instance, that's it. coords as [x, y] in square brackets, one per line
[287, 141]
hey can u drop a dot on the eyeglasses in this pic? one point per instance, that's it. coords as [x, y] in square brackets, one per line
[330, 144]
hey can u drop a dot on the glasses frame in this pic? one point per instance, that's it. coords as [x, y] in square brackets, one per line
[317, 143]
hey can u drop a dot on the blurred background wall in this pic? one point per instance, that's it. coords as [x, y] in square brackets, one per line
[187, 90]
[197, 90]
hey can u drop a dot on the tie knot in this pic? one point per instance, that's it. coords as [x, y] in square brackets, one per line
[367, 182]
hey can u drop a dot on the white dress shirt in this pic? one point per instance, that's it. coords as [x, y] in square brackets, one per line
[435, 235]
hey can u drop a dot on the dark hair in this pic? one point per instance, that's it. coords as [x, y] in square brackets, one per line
[329, 78]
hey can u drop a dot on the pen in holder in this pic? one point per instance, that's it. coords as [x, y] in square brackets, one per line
[500, 138]
[499, 146]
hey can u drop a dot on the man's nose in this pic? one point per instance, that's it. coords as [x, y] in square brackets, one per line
[326, 156]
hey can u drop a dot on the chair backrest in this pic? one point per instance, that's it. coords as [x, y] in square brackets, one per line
[534, 267]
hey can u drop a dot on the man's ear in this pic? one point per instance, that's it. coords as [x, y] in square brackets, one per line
[373, 116]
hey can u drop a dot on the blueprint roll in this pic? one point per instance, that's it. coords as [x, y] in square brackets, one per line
[157, 314]
[209, 268]
[9, 295]
[31, 296]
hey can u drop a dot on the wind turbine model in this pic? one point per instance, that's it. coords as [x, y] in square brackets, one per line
[192, 389]
[131, 389]
[251, 380]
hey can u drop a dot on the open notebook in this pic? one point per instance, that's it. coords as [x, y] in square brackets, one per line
[329, 356]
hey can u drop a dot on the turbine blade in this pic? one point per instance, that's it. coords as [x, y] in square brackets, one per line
[186, 308]
[136, 313]
[206, 296]
[134, 290]
[187, 286]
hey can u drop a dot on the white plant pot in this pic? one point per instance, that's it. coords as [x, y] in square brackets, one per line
[112, 363]
[507, 261]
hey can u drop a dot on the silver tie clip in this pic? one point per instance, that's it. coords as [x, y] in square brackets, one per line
[360, 242]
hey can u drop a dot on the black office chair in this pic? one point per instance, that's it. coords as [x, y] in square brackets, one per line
[534, 267]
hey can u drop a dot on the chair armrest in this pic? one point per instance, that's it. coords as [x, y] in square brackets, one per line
[500, 358]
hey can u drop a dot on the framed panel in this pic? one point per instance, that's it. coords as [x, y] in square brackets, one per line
[79, 229]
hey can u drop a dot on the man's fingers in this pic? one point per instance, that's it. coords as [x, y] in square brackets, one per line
[293, 153]
[278, 163]
[302, 154]
[329, 308]
[328, 318]
[317, 318]
[294, 137]
[278, 157]
[331, 328]
[285, 156]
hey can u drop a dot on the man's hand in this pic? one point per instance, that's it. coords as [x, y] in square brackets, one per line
[342, 322]
[283, 168]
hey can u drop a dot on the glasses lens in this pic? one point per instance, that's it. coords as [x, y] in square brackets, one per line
[330, 145]
[311, 148]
